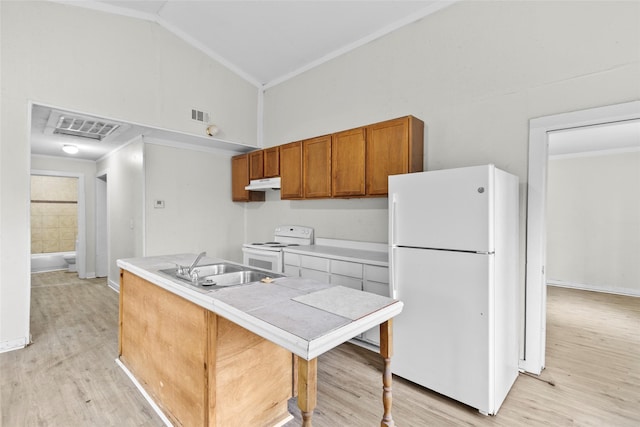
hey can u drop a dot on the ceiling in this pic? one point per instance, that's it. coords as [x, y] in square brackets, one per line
[267, 42]
[610, 137]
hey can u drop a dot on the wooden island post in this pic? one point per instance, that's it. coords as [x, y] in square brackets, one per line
[308, 380]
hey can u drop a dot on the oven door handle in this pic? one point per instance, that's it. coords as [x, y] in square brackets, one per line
[260, 252]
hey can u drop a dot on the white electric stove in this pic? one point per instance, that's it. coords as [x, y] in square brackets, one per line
[269, 255]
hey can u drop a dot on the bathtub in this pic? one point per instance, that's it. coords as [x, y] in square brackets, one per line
[49, 262]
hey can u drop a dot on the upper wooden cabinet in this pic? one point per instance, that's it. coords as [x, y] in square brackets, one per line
[271, 162]
[393, 147]
[348, 163]
[316, 167]
[291, 171]
[351, 163]
[256, 164]
[240, 179]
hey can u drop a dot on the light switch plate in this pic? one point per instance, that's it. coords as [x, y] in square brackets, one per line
[158, 204]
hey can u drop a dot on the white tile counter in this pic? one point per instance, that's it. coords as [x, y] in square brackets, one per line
[295, 313]
[362, 266]
[345, 250]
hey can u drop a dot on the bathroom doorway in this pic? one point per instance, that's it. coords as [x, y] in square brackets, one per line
[57, 221]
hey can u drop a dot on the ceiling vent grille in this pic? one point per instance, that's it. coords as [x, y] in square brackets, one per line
[93, 129]
[199, 116]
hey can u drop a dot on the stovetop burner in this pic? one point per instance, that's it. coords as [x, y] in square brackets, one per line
[275, 244]
[283, 236]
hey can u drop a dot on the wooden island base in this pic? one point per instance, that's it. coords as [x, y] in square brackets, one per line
[199, 368]
[202, 369]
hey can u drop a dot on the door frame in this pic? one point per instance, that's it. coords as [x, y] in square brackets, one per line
[536, 290]
[81, 261]
[102, 224]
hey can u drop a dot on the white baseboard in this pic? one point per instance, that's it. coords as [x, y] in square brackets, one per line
[148, 398]
[594, 288]
[114, 285]
[11, 345]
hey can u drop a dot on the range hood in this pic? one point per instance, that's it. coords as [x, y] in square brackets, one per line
[264, 184]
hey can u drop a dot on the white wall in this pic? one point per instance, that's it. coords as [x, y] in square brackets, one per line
[125, 201]
[352, 219]
[88, 169]
[105, 65]
[198, 214]
[475, 72]
[593, 222]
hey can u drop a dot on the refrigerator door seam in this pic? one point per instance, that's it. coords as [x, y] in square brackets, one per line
[446, 250]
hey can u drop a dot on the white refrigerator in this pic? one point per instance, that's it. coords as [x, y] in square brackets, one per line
[453, 237]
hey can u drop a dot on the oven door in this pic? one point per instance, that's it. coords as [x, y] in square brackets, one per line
[263, 259]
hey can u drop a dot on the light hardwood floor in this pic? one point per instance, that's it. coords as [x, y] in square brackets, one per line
[68, 376]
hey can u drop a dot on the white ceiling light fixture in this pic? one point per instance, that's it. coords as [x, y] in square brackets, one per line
[70, 149]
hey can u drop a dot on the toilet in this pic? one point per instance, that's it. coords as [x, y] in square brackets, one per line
[71, 260]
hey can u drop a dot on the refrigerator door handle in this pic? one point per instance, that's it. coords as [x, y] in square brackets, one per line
[393, 282]
[392, 220]
[393, 291]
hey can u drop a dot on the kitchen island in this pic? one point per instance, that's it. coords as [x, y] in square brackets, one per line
[217, 357]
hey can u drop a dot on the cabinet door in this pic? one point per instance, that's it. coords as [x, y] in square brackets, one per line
[320, 276]
[345, 281]
[271, 162]
[346, 268]
[316, 167]
[291, 171]
[393, 147]
[347, 163]
[256, 164]
[240, 179]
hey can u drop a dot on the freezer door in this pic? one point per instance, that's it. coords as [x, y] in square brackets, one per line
[442, 338]
[445, 209]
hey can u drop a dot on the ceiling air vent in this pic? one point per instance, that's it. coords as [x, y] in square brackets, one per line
[93, 129]
[199, 116]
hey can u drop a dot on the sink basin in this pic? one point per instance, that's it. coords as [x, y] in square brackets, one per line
[221, 275]
[215, 269]
[236, 278]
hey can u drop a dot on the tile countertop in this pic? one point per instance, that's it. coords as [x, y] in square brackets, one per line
[304, 316]
[345, 250]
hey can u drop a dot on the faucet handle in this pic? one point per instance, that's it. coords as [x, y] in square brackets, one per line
[194, 277]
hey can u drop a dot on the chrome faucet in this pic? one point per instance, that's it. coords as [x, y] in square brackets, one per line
[187, 272]
[197, 260]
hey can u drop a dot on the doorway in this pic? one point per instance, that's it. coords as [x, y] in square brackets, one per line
[535, 291]
[593, 208]
[62, 238]
[102, 226]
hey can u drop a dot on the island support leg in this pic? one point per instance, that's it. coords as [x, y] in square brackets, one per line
[386, 351]
[307, 388]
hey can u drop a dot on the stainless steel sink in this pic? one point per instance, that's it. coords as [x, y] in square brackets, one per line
[214, 269]
[236, 278]
[220, 275]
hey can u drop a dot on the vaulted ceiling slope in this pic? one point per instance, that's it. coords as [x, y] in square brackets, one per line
[268, 42]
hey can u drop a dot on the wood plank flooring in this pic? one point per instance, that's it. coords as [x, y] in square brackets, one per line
[68, 376]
